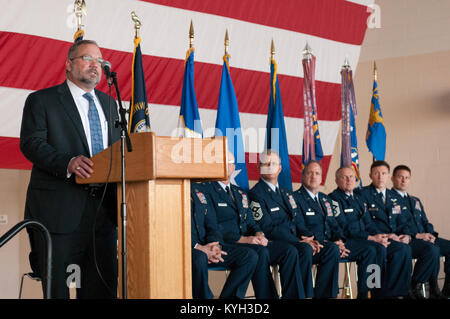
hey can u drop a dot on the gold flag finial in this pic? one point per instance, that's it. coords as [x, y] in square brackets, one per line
[375, 70]
[80, 10]
[191, 35]
[227, 42]
[272, 50]
[137, 23]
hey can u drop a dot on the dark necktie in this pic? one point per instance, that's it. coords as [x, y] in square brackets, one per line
[230, 193]
[94, 125]
[318, 204]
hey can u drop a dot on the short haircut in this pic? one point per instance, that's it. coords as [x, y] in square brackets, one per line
[74, 47]
[400, 168]
[309, 164]
[380, 163]
[268, 152]
[341, 168]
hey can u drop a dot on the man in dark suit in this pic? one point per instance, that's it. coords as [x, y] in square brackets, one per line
[236, 224]
[275, 211]
[208, 248]
[316, 213]
[62, 127]
[426, 244]
[385, 212]
[353, 217]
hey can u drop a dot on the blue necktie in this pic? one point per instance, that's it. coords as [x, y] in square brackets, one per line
[94, 125]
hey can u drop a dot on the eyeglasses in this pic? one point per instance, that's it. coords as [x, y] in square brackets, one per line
[88, 58]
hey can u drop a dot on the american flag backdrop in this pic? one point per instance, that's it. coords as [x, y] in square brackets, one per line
[35, 36]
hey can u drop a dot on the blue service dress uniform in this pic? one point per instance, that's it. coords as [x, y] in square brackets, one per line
[235, 219]
[319, 221]
[275, 213]
[388, 219]
[241, 260]
[427, 253]
[353, 217]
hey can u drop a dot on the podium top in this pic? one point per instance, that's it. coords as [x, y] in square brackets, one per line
[158, 157]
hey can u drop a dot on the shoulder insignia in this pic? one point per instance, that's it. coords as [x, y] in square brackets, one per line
[336, 208]
[256, 210]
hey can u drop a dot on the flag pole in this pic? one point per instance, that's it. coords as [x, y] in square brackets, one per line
[375, 79]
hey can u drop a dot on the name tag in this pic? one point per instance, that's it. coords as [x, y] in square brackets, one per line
[310, 213]
[222, 204]
[348, 210]
[275, 209]
[373, 209]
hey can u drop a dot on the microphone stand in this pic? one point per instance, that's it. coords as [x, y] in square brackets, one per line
[124, 136]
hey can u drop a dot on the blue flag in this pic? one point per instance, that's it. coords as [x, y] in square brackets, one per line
[276, 131]
[139, 117]
[376, 132]
[189, 124]
[228, 124]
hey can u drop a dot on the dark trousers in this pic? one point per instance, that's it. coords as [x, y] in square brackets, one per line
[427, 264]
[364, 252]
[396, 270]
[327, 261]
[240, 260]
[91, 263]
[286, 257]
[305, 256]
[444, 248]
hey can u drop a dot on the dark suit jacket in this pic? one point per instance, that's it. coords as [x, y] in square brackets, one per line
[352, 215]
[277, 214]
[320, 221]
[388, 218]
[203, 218]
[51, 135]
[235, 219]
[415, 215]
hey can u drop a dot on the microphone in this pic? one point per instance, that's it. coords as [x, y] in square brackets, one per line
[106, 66]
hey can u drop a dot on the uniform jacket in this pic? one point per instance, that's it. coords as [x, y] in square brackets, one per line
[415, 215]
[51, 135]
[203, 218]
[320, 221]
[352, 215]
[388, 218]
[235, 219]
[277, 214]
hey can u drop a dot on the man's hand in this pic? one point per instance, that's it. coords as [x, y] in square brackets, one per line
[404, 238]
[253, 240]
[343, 251]
[394, 237]
[380, 238]
[81, 166]
[426, 237]
[316, 246]
[262, 239]
[212, 251]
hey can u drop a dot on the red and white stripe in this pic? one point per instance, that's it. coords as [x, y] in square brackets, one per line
[34, 43]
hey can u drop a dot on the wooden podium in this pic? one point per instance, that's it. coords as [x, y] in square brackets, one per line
[158, 173]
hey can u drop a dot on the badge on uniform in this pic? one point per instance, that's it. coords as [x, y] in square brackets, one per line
[256, 210]
[396, 210]
[336, 208]
[348, 210]
[222, 204]
[275, 209]
[244, 200]
[329, 209]
[418, 205]
[201, 197]
[292, 201]
[373, 208]
[310, 212]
